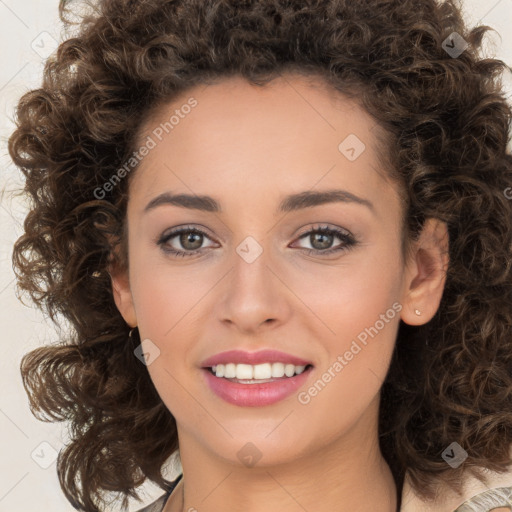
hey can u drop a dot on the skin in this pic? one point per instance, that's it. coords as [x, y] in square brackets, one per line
[249, 147]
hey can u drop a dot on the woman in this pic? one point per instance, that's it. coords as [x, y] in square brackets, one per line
[281, 234]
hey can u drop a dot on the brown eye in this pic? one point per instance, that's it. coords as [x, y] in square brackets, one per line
[191, 240]
[322, 238]
[187, 241]
[321, 241]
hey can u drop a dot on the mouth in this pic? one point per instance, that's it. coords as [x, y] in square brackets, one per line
[251, 392]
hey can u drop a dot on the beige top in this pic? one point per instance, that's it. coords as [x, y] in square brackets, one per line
[476, 497]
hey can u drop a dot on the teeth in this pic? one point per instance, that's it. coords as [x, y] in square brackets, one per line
[230, 371]
[289, 370]
[243, 371]
[258, 371]
[262, 371]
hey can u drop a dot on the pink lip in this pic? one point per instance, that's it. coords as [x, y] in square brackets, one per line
[255, 395]
[263, 356]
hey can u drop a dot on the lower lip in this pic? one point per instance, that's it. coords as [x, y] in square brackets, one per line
[255, 395]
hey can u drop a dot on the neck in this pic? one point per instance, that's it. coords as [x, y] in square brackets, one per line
[346, 474]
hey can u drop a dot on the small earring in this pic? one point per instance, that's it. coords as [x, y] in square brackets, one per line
[131, 331]
[417, 311]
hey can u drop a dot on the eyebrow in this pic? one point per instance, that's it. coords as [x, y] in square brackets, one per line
[294, 202]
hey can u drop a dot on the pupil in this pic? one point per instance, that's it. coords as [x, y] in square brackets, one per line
[186, 237]
[325, 245]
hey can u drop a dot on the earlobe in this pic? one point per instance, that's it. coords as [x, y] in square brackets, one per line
[123, 296]
[426, 273]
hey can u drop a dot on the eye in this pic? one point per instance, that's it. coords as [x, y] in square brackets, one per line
[190, 238]
[322, 237]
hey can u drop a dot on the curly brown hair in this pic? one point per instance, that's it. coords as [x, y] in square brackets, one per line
[447, 122]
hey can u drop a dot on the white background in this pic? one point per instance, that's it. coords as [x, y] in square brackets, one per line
[28, 29]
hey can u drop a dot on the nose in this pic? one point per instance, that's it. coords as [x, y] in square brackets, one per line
[254, 293]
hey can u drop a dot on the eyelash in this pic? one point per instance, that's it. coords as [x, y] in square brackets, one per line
[349, 242]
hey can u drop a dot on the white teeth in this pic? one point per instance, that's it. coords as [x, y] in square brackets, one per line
[230, 371]
[262, 371]
[277, 370]
[258, 371]
[289, 370]
[244, 371]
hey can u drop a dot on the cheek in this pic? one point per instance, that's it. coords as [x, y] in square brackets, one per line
[167, 304]
[356, 353]
[359, 311]
[351, 296]
[168, 308]
[166, 294]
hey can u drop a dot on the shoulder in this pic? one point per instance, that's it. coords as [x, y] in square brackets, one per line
[488, 500]
[475, 497]
[483, 501]
[158, 505]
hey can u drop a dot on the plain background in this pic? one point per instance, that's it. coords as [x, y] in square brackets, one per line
[29, 32]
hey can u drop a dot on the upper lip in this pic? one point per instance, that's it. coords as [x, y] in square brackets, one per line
[263, 356]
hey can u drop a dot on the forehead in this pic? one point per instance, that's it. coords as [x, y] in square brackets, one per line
[294, 131]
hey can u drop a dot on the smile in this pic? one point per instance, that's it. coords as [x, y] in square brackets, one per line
[255, 392]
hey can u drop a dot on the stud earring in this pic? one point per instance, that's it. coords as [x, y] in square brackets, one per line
[417, 311]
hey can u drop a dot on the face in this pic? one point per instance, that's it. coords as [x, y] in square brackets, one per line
[250, 275]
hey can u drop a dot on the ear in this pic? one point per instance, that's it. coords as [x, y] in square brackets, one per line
[123, 295]
[425, 273]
